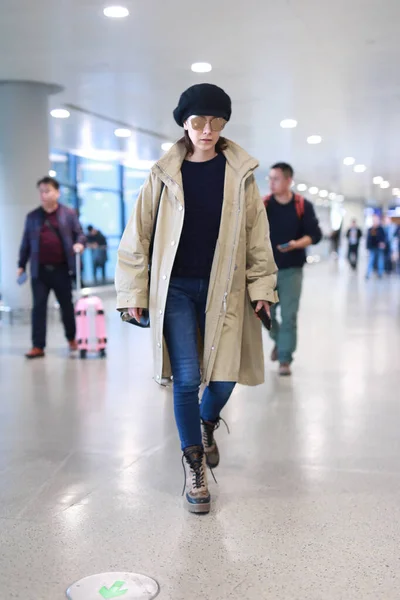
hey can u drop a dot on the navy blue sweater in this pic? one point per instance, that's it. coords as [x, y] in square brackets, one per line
[376, 236]
[203, 189]
[285, 226]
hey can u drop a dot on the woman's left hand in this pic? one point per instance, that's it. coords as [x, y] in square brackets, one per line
[263, 304]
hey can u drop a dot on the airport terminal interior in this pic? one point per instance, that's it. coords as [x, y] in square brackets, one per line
[305, 504]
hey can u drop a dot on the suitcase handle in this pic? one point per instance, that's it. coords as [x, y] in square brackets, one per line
[78, 261]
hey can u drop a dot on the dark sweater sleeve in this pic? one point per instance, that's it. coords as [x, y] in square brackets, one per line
[310, 223]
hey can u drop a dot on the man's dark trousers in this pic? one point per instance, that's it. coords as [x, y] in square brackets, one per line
[56, 278]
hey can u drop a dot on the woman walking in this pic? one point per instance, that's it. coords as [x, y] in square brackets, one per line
[211, 259]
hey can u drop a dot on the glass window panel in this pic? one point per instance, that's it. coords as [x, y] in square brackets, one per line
[96, 174]
[59, 163]
[133, 181]
[68, 196]
[102, 209]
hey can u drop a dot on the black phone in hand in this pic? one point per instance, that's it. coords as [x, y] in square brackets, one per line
[263, 316]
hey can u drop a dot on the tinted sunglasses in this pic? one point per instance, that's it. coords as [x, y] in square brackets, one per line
[216, 124]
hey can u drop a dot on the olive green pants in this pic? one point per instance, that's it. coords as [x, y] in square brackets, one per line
[284, 333]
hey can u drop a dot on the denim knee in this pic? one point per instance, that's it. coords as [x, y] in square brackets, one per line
[187, 378]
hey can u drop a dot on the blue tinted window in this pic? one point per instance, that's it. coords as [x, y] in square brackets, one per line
[96, 174]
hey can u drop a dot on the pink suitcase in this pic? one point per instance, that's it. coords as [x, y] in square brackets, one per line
[91, 333]
[90, 326]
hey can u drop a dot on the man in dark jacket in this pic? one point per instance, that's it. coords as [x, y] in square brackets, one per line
[51, 238]
[354, 235]
[97, 242]
[376, 244]
[293, 227]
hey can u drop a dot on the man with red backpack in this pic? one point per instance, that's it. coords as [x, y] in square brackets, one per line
[293, 227]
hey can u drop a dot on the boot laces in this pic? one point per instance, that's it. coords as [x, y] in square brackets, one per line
[210, 428]
[195, 462]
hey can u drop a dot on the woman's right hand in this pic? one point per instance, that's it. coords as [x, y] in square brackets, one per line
[136, 313]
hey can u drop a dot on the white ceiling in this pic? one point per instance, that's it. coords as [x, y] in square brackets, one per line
[333, 66]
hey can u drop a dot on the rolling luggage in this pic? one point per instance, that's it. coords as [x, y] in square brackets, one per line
[91, 333]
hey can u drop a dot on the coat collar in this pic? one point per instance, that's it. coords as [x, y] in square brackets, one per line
[168, 168]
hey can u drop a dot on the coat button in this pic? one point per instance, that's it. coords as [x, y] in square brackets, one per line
[159, 345]
[213, 348]
[160, 312]
[173, 243]
[164, 277]
[180, 207]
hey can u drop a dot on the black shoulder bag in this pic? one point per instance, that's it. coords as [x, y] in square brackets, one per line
[144, 322]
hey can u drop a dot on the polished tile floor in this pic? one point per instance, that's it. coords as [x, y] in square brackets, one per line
[308, 501]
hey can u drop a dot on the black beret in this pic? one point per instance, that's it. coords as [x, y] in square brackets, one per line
[203, 99]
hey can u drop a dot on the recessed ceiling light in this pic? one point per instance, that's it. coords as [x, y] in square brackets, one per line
[359, 168]
[52, 173]
[123, 133]
[332, 196]
[302, 187]
[60, 113]
[288, 123]
[349, 161]
[385, 185]
[314, 139]
[116, 12]
[377, 180]
[313, 190]
[201, 67]
[323, 193]
[166, 146]
[396, 191]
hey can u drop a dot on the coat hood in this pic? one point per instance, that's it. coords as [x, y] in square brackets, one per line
[170, 164]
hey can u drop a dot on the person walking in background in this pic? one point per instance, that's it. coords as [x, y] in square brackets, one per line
[97, 242]
[376, 244]
[354, 235]
[294, 226]
[212, 257]
[389, 228]
[396, 249]
[335, 242]
[52, 236]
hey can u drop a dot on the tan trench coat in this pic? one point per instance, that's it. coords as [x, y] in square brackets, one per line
[243, 269]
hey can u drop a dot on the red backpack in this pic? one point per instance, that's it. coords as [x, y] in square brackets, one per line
[298, 202]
